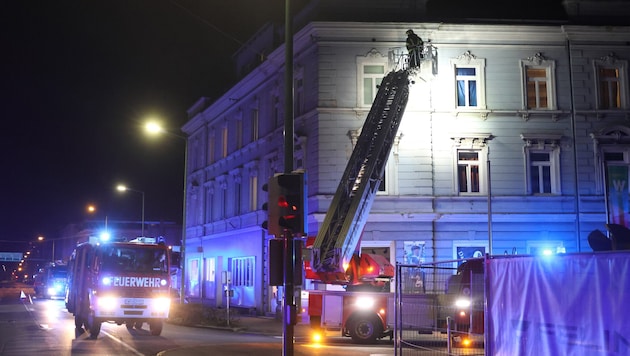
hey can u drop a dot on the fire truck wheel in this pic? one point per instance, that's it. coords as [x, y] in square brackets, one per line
[94, 326]
[78, 322]
[364, 329]
[156, 327]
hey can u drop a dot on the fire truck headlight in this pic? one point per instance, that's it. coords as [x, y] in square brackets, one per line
[107, 281]
[462, 303]
[162, 304]
[364, 302]
[106, 303]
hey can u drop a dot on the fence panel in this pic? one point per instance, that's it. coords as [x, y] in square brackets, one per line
[440, 308]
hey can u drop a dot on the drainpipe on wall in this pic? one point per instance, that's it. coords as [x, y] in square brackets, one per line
[575, 151]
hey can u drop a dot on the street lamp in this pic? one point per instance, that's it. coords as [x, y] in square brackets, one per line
[124, 188]
[41, 239]
[154, 128]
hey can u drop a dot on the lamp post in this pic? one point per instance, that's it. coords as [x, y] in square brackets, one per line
[124, 188]
[41, 239]
[154, 128]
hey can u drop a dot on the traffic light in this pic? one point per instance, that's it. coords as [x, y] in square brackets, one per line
[286, 207]
[292, 203]
[272, 208]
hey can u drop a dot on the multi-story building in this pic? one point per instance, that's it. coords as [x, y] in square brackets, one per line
[515, 139]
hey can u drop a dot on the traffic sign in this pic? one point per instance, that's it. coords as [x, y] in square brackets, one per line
[10, 256]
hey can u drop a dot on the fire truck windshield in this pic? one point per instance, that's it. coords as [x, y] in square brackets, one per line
[128, 258]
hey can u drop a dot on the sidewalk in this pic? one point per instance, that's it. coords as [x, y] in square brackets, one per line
[248, 324]
[264, 325]
[257, 325]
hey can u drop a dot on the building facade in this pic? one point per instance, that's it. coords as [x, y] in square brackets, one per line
[515, 139]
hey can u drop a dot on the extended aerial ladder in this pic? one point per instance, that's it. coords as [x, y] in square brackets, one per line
[339, 236]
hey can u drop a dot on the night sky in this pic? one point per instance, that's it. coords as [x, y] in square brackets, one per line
[78, 79]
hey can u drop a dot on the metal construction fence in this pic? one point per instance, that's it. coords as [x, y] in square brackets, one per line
[440, 308]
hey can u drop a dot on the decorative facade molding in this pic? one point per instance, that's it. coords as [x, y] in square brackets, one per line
[466, 57]
[610, 58]
[541, 141]
[209, 187]
[374, 53]
[472, 140]
[236, 175]
[537, 59]
[252, 168]
[222, 181]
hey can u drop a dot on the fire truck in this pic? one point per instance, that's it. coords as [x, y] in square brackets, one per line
[364, 310]
[361, 311]
[50, 282]
[122, 282]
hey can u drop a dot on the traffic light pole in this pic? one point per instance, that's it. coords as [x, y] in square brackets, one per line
[289, 251]
[289, 312]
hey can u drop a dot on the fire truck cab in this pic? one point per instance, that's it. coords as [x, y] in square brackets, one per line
[119, 282]
[50, 282]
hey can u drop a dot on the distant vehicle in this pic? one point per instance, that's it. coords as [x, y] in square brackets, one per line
[50, 282]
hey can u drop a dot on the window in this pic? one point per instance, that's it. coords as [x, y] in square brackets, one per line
[466, 86]
[616, 160]
[540, 172]
[298, 85]
[389, 181]
[538, 75]
[372, 77]
[471, 154]
[468, 171]
[253, 193]
[209, 288]
[299, 152]
[536, 87]
[237, 195]
[211, 146]
[542, 155]
[254, 125]
[239, 134]
[210, 269]
[221, 196]
[545, 248]
[276, 112]
[242, 269]
[193, 273]
[209, 213]
[370, 72]
[464, 249]
[224, 141]
[469, 81]
[611, 82]
[609, 90]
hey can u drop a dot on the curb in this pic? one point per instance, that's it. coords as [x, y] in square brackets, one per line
[204, 326]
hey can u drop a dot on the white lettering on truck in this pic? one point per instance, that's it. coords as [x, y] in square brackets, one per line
[148, 282]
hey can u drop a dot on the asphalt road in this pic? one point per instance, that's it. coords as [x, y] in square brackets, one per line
[30, 326]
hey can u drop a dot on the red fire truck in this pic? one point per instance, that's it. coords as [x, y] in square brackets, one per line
[119, 282]
[364, 311]
[360, 311]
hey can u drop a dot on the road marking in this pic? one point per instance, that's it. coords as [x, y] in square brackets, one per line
[124, 344]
